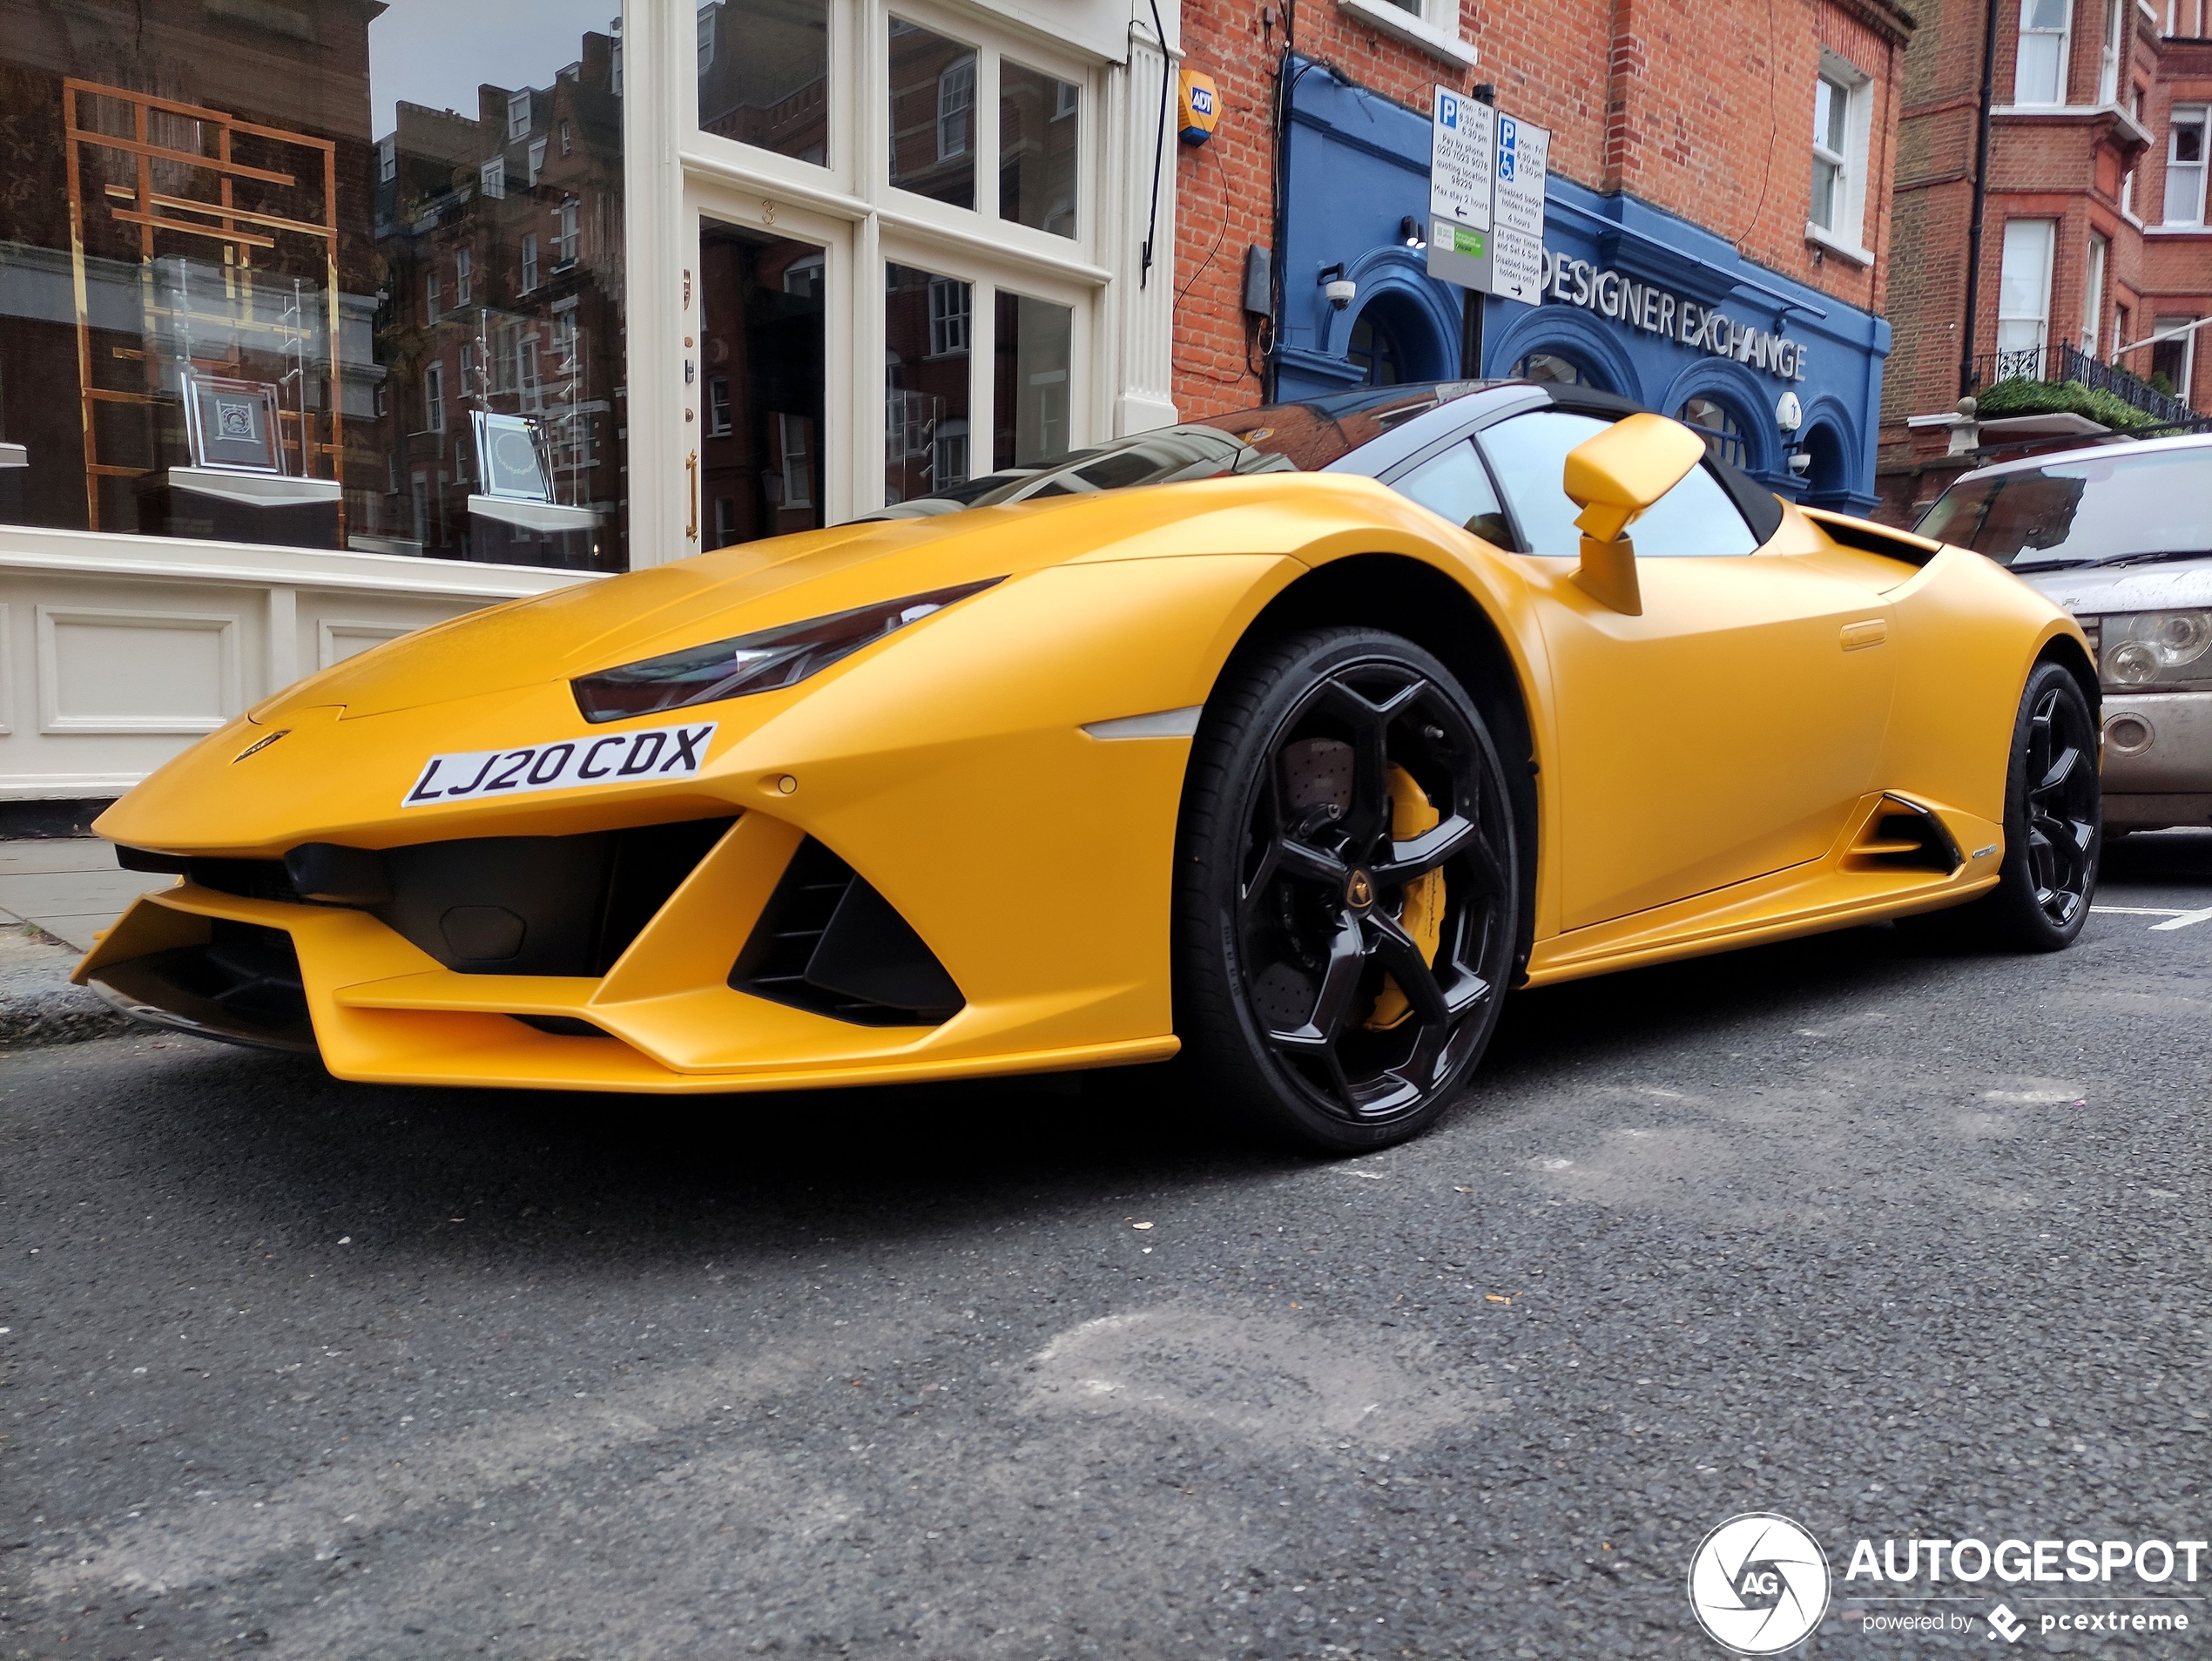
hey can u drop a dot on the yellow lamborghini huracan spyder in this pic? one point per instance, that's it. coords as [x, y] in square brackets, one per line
[1364, 711]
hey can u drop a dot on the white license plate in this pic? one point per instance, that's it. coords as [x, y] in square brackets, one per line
[658, 753]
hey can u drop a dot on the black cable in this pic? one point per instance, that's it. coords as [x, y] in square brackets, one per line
[1159, 145]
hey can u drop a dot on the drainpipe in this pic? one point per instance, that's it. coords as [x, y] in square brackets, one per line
[1981, 200]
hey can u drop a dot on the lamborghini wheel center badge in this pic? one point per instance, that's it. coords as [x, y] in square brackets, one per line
[1359, 891]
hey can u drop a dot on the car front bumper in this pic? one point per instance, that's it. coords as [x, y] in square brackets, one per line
[2157, 759]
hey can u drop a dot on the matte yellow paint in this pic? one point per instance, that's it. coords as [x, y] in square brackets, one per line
[1702, 772]
[1616, 475]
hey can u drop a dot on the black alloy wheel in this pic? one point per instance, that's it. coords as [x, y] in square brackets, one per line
[2063, 803]
[2053, 825]
[1346, 888]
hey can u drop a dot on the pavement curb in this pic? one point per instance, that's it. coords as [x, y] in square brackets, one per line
[58, 1015]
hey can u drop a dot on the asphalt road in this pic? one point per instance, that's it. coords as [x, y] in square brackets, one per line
[1879, 1238]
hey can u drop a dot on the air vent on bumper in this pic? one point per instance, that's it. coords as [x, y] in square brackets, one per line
[1901, 835]
[828, 942]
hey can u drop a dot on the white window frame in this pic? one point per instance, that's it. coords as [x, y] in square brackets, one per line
[434, 398]
[2095, 266]
[956, 102]
[797, 463]
[950, 329]
[2187, 115]
[2063, 36]
[1847, 236]
[528, 273]
[2038, 280]
[1432, 25]
[537, 159]
[388, 160]
[709, 21]
[846, 206]
[464, 265]
[433, 296]
[718, 406]
[2112, 52]
[518, 115]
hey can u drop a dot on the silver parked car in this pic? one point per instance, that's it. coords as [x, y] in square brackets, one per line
[2120, 535]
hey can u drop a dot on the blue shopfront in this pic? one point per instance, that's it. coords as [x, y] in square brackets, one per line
[1785, 381]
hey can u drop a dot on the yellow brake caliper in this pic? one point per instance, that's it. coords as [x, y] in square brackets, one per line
[1411, 813]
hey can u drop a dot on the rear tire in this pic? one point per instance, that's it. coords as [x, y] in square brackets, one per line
[2053, 827]
[1338, 969]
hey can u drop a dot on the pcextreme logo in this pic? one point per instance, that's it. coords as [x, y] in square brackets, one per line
[1760, 1584]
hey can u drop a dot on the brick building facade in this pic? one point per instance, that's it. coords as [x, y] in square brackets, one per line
[1681, 157]
[2094, 240]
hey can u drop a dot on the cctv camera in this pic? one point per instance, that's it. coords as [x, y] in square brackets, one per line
[1341, 292]
[1801, 463]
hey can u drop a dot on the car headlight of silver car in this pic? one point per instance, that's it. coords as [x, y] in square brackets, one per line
[763, 662]
[2155, 651]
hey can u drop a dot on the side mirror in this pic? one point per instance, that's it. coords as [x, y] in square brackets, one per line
[1612, 478]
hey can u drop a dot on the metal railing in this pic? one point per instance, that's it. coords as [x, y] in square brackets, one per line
[2064, 361]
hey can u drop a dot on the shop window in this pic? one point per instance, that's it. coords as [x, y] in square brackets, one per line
[950, 299]
[1716, 424]
[1029, 381]
[2185, 149]
[926, 390]
[1375, 351]
[1553, 368]
[1037, 136]
[289, 303]
[761, 452]
[2039, 72]
[932, 114]
[764, 74]
[2024, 297]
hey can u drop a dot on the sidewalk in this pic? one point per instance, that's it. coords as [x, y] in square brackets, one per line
[64, 889]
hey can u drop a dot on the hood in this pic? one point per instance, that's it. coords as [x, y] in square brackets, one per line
[2176, 585]
[785, 580]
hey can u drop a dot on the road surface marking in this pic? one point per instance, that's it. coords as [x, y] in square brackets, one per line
[2176, 917]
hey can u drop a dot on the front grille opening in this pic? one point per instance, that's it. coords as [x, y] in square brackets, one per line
[828, 942]
[1903, 837]
[242, 983]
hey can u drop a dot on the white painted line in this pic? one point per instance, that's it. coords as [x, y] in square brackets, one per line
[2142, 911]
[2187, 919]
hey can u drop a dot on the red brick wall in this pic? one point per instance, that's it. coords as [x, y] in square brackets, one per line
[1700, 107]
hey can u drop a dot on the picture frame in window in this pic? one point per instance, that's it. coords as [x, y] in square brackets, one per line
[513, 463]
[231, 426]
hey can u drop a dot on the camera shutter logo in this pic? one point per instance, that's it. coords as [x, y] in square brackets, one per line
[234, 419]
[1759, 1584]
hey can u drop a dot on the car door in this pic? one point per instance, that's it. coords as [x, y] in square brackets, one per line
[1724, 733]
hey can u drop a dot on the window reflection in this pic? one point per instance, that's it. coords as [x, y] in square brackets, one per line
[313, 232]
[1029, 385]
[932, 114]
[761, 347]
[926, 325]
[1037, 119]
[764, 74]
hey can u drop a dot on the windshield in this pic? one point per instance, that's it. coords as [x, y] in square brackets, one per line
[2088, 511]
[1280, 438]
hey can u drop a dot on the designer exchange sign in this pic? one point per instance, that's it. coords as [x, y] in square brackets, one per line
[1648, 308]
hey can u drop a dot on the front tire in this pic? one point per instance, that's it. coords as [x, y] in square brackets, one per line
[2054, 825]
[1346, 888]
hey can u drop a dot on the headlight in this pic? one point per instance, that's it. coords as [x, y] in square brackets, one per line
[753, 663]
[2161, 650]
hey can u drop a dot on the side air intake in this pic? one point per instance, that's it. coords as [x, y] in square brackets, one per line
[1904, 836]
[829, 943]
